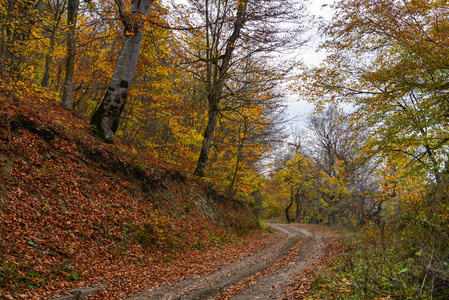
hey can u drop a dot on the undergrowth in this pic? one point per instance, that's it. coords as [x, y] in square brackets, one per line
[391, 262]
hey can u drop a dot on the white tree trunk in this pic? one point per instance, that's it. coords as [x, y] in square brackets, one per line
[105, 120]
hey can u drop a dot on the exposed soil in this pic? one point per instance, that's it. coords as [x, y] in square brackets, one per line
[268, 273]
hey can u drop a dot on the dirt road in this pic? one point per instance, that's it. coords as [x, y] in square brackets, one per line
[265, 274]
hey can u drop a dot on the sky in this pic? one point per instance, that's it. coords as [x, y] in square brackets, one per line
[299, 109]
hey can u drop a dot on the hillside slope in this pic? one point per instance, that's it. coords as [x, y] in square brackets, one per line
[74, 211]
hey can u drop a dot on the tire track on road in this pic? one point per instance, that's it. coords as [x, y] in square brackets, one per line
[265, 274]
[207, 287]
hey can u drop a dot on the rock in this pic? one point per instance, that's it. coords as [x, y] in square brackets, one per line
[82, 293]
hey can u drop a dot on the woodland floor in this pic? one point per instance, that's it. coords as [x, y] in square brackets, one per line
[75, 212]
[282, 269]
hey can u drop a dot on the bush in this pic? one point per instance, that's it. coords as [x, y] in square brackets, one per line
[386, 262]
[246, 223]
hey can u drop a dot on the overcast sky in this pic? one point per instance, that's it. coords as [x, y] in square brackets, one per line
[300, 109]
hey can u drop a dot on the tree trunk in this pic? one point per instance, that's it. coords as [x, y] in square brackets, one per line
[67, 94]
[3, 55]
[216, 88]
[298, 206]
[49, 57]
[214, 105]
[239, 155]
[287, 214]
[105, 120]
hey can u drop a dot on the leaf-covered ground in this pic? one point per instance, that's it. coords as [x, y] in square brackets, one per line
[283, 269]
[74, 211]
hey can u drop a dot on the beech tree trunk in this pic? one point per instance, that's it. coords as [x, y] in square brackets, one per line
[215, 90]
[105, 120]
[214, 108]
[67, 93]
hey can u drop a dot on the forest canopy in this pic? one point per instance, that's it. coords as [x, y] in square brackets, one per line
[194, 84]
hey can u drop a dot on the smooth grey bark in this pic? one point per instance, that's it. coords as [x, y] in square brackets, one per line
[67, 93]
[105, 120]
[215, 90]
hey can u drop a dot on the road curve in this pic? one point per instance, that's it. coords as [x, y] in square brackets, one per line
[263, 275]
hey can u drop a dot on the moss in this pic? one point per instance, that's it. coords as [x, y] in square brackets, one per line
[93, 131]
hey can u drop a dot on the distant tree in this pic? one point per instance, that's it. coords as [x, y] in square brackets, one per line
[344, 167]
[327, 174]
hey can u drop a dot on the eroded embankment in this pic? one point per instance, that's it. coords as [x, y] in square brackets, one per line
[76, 212]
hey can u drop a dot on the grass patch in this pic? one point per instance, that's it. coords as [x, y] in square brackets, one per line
[16, 278]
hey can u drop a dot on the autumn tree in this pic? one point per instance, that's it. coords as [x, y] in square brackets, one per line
[389, 60]
[291, 179]
[227, 33]
[105, 120]
[399, 83]
[327, 174]
[347, 183]
[251, 125]
[298, 174]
